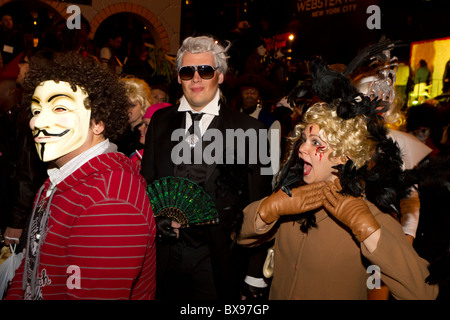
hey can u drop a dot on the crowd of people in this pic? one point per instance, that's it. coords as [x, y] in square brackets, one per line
[318, 182]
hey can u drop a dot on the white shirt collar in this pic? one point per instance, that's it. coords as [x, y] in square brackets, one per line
[56, 175]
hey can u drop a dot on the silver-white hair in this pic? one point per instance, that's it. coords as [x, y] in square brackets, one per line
[205, 44]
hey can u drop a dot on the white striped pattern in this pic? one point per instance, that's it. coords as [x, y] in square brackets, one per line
[102, 222]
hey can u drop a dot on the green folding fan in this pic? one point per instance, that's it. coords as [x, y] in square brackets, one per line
[182, 200]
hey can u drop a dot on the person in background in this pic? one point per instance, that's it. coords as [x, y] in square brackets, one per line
[422, 80]
[160, 93]
[5, 158]
[28, 172]
[239, 37]
[423, 74]
[137, 156]
[373, 84]
[253, 63]
[108, 55]
[402, 80]
[253, 90]
[12, 41]
[138, 65]
[376, 81]
[140, 96]
[91, 218]
[419, 122]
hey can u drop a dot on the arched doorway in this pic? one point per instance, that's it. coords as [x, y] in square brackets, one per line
[134, 29]
[144, 46]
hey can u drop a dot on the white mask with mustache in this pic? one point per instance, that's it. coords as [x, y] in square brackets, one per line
[60, 122]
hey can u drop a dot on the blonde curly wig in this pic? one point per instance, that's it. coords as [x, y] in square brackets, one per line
[138, 90]
[347, 138]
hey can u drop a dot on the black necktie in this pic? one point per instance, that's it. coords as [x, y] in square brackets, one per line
[194, 129]
[195, 122]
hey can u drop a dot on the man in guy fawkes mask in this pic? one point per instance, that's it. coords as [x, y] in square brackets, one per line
[94, 207]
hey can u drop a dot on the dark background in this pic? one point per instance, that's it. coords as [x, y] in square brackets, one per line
[336, 37]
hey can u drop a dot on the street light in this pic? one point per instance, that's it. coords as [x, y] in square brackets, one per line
[289, 50]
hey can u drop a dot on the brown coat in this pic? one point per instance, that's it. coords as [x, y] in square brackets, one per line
[328, 263]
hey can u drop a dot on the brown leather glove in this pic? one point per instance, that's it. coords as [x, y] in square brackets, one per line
[351, 211]
[304, 198]
[411, 204]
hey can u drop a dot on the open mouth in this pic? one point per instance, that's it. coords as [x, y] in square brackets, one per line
[307, 167]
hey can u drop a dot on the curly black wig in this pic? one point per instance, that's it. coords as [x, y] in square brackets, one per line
[107, 97]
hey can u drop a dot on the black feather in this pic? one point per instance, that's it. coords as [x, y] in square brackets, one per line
[351, 178]
[328, 84]
[385, 181]
[302, 91]
[432, 173]
[371, 52]
[291, 173]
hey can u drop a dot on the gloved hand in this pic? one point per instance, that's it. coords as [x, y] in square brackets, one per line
[410, 204]
[351, 211]
[410, 212]
[167, 229]
[304, 198]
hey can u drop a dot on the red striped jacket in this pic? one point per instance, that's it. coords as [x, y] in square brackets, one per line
[101, 228]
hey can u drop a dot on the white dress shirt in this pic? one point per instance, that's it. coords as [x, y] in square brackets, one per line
[209, 112]
[56, 175]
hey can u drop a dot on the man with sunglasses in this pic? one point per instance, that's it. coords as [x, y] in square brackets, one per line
[203, 262]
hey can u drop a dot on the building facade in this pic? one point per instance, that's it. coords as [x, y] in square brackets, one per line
[161, 17]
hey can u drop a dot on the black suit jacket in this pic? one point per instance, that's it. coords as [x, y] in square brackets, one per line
[231, 186]
[157, 161]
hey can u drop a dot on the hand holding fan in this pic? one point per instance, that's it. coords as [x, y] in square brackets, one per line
[182, 200]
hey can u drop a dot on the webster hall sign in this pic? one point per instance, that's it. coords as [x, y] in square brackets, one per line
[321, 8]
[337, 29]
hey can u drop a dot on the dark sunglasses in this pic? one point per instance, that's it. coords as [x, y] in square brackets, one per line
[205, 72]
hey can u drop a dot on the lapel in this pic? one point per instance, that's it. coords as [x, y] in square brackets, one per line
[176, 121]
[224, 122]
